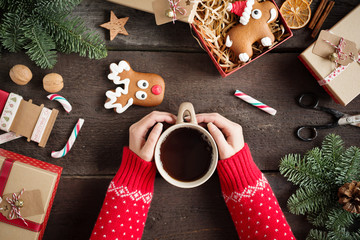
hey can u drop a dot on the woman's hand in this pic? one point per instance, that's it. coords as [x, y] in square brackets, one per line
[227, 134]
[138, 143]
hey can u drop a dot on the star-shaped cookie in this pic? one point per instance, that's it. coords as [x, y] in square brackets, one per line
[116, 25]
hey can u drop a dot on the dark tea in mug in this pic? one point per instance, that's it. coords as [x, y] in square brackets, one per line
[186, 154]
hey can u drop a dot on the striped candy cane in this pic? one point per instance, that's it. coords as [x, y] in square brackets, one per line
[70, 142]
[65, 103]
[255, 102]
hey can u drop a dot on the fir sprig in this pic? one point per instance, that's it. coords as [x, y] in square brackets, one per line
[315, 234]
[41, 47]
[43, 27]
[319, 175]
[13, 38]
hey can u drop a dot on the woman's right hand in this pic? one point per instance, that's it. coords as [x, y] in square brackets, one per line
[138, 143]
[227, 134]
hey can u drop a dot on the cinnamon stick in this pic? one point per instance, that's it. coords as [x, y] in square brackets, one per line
[322, 19]
[318, 13]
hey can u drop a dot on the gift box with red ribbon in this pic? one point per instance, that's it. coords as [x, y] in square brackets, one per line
[334, 59]
[27, 191]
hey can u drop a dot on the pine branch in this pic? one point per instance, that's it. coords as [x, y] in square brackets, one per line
[299, 172]
[320, 174]
[339, 218]
[71, 35]
[319, 165]
[332, 147]
[340, 234]
[343, 234]
[343, 225]
[18, 6]
[56, 6]
[41, 47]
[318, 219]
[315, 234]
[43, 26]
[348, 168]
[4, 4]
[310, 199]
[12, 36]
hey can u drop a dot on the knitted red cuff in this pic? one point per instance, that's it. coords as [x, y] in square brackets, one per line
[135, 173]
[238, 172]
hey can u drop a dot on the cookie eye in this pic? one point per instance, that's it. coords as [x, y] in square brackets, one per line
[143, 84]
[141, 95]
[256, 14]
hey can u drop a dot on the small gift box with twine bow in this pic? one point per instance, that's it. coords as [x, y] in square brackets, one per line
[334, 59]
[27, 192]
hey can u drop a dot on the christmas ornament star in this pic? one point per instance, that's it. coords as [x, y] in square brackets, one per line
[116, 26]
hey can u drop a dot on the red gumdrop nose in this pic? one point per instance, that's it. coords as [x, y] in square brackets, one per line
[156, 89]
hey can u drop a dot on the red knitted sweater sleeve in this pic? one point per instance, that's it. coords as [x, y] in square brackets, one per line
[250, 199]
[127, 201]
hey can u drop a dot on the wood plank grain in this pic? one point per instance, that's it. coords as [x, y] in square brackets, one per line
[275, 79]
[175, 213]
[145, 35]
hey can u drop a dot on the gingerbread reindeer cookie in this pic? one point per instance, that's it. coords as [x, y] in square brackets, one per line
[143, 89]
[254, 21]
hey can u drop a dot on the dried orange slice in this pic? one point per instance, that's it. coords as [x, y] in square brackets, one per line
[296, 13]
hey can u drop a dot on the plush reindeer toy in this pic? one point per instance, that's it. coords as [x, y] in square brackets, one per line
[143, 89]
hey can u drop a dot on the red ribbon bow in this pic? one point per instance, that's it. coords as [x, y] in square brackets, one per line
[15, 211]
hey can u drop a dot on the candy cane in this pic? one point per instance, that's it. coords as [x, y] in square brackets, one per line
[70, 142]
[255, 102]
[65, 103]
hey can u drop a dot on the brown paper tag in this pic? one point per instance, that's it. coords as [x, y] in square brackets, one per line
[32, 204]
[324, 49]
[160, 7]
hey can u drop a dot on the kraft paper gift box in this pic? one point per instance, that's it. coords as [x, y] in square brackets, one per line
[158, 7]
[39, 181]
[345, 86]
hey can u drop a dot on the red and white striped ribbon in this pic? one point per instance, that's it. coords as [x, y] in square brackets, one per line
[174, 5]
[341, 56]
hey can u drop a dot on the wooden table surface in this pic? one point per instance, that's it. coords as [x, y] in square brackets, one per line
[171, 51]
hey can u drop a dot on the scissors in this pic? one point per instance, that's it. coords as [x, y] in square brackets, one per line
[311, 101]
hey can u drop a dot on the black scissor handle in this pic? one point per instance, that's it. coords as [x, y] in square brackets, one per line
[310, 130]
[311, 101]
[308, 100]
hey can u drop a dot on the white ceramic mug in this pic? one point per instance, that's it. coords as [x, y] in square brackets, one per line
[186, 109]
